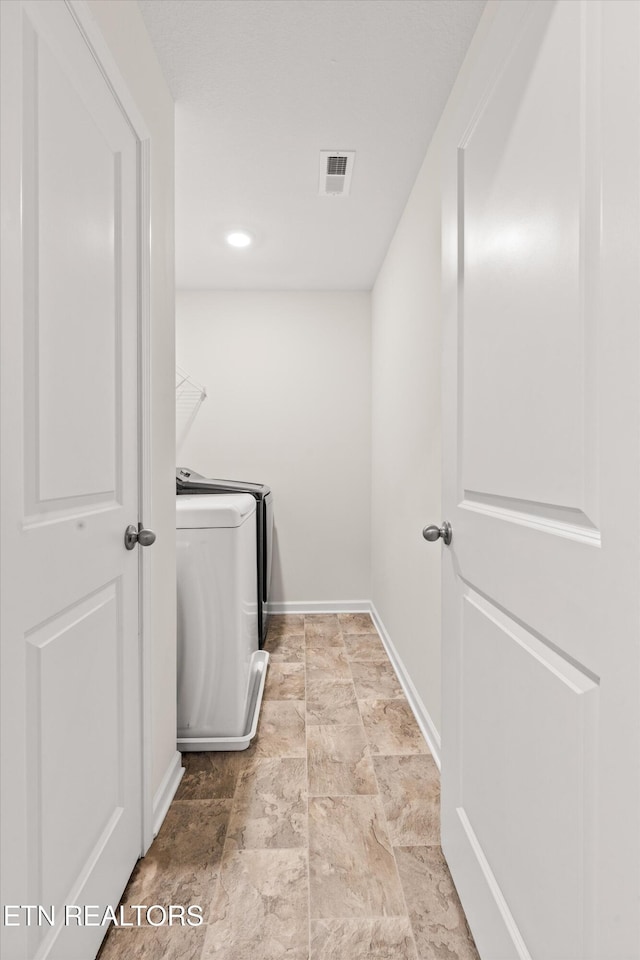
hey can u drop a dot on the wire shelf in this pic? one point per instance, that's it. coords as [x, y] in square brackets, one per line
[190, 395]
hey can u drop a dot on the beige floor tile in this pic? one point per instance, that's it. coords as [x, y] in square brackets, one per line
[208, 776]
[322, 627]
[153, 943]
[355, 736]
[285, 647]
[270, 805]
[410, 794]
[386, 939]
[285, 623]
[184, 860]
[365, 646]
[285, 681]
[375, 680]
[281, 730]
[327, 662]
[356, 623]
[261, 908]
[351, 866]
[439, 925]
[338, 761]
[391, 727]
[330, 701]
[318, 642]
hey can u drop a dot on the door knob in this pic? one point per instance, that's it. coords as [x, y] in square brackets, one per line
[435, 533]
[133, 535]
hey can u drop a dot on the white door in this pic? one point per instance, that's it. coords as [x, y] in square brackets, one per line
[71, 774]
[541, 632]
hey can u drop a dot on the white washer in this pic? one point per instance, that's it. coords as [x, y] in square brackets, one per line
[221, 671]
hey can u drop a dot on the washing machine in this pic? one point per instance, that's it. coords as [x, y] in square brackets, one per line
[188, 482]
[221, 670]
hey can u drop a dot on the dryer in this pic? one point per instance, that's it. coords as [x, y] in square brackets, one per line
[188, 482]
[221, 671]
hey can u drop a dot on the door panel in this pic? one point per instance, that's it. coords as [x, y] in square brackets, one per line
[541, 407]
[70, 433]
[521, 171]
[526, 775]
[74, 208]
[81, 789]
[78, 179]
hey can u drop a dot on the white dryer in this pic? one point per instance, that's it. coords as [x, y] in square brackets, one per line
[221, 670]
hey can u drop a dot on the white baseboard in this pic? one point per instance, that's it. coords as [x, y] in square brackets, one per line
[167, 791]
[424, 721]
[320, 606]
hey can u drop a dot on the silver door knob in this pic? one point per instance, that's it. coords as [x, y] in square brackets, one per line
[133, 535]
[435, 533]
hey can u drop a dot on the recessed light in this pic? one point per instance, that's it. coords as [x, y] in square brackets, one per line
[239, 238]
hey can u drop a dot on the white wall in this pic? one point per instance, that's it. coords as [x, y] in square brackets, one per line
[406, 412]
[288, 379]
[124, 31]
[406, 437]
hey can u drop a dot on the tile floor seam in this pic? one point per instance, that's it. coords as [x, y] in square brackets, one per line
[404, 899]
[415, 927]
[400, 846]
[375, 797]
[384, 813]
[306, 743]
[380, 804]
[218, 880]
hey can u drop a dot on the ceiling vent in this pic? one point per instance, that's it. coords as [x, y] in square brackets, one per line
[336, 167]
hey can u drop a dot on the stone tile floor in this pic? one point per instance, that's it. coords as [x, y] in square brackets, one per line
[319, 842]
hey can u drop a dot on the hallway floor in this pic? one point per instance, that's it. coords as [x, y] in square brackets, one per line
[319, 842]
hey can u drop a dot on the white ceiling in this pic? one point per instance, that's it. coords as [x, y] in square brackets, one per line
[261, 87]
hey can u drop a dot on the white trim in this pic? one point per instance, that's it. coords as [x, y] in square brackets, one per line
[320, 606]
[427, 726]
[494, 888]
[167, 790]
[103, 56]
[144, 480]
